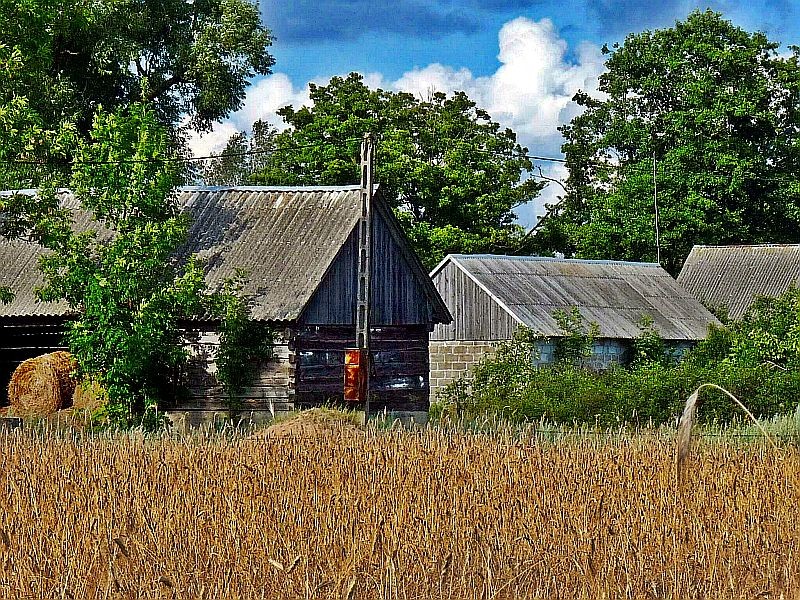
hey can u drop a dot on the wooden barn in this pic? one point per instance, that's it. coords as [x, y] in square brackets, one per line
[731, 277]
[298, 249]
[490, 297]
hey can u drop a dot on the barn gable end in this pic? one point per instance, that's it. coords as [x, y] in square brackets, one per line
[399, 295]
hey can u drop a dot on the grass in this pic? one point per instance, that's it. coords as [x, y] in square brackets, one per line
[436, 513]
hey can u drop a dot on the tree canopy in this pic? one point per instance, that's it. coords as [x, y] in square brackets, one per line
[128, 292]
[452, 174]
[190, 58]
[127, 281]
[718, 109]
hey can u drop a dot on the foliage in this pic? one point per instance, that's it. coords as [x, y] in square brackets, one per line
[578, 339]
[649, 346]
[243, 155]
[243, 342]
[24, 138]
[756, 358]
[718, 109]
[191, 58]
[769, 333]
[127, 282]
[452, 174]
[128, 293]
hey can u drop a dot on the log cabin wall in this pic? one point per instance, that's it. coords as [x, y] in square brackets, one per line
[399, 377]
[206, 400]
[401, 315]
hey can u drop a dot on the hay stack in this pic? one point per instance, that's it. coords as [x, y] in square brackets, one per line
[42, 385]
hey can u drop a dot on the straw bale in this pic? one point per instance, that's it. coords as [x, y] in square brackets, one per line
[42, 385]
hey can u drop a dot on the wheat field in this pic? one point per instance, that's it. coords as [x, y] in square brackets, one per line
[395, 514]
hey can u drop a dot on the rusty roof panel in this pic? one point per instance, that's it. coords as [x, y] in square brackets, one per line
[733, 276]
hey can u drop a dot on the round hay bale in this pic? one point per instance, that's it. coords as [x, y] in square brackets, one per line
[89, 395]
[42, 385]
[64, 365]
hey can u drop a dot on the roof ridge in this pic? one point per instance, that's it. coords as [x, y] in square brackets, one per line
[585, 261]
[765, 245]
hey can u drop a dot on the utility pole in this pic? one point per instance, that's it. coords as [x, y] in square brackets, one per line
[365, 266]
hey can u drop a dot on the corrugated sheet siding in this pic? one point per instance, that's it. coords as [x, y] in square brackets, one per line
[284, 239]
[397, 296]
[732, 276]
[476, 316]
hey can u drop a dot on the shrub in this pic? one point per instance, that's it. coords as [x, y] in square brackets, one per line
[755, 358]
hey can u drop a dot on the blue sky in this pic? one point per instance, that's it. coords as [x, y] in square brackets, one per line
[317, 37]
[522, 60]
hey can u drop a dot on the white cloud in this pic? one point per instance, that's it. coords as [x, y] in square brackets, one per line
[263, 100]
[266, 97]
[531, 92]
[213, 141]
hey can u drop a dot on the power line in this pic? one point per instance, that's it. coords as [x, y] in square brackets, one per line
[640, 167]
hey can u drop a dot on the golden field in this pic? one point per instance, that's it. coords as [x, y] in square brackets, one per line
[393, 514]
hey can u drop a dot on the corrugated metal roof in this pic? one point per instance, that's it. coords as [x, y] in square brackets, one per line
[613, 294]
[284, 238]
[732, 276]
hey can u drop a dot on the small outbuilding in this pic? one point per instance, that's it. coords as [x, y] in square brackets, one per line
[490, 297]
[298, 247]
[731, 277]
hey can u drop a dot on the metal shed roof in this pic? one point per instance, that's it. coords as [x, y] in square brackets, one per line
[613, 294]
[732, 276]
[284, 238]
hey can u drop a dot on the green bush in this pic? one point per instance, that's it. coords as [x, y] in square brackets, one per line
[755, 358]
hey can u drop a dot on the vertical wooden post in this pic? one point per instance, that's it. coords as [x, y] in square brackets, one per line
[365, 265]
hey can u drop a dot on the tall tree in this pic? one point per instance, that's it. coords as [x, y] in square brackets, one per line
[191, 58]
[452, 174]
[243, 156]
[718, 111]
[124, 283]
[25, 141]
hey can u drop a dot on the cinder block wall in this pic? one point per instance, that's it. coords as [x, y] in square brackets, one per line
[605, 354]
[451, 360]
[454, 359]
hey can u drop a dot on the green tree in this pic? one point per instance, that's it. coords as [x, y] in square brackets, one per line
[25, 141]
[120, 279]
[768, 333]
[719, 110]
[242, 157]
[452, 174]
[190, 58]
